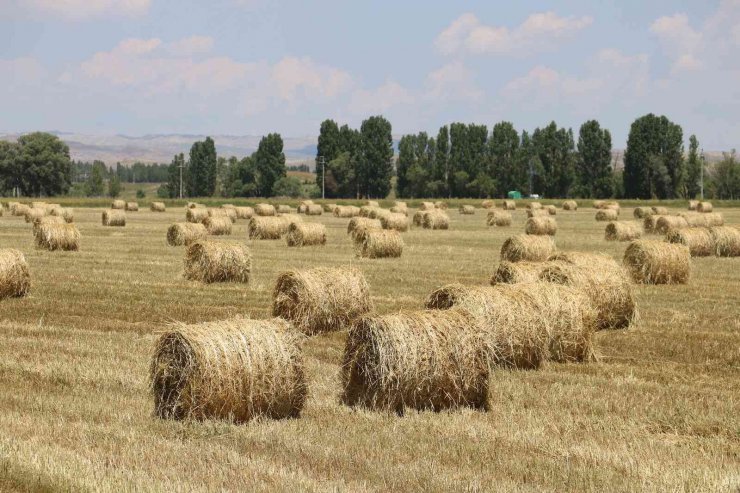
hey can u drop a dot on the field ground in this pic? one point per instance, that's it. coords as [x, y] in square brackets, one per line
[659, 412]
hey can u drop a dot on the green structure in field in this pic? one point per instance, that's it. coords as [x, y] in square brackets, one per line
[514, 194]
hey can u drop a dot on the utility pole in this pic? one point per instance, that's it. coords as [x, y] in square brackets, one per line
[701, 175]
[322, 160]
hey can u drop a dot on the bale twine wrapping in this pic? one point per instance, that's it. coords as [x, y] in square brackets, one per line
[399, 222]
[322, 299]
[607, 215]
[227, 213]
[726, 241]
[196, 215]
[602, 279]
[114, 217]
[699, 240]
[508, 205]
[265, 210]
[46, 220]
[217, 226]
[467, 209]
[530, 248]
[704, 207]
[551, 209]
[268, 227]
[180, 234]
[32, 213]
[517, 272]
[314, 210]
[57, 237]
[693, 204]
[383, 243]
[244, 212]
[541, 226]
[435, 220]
[132, 206]
[570, 205]
[208, 261]
[157, 207]
[233, 370]
[284, 209]
[523, 325]
[660, 210]
[346, 211]
[415, 360]
[15, 277]
[666, 223]
[658, 262]
[427, 206]
[305, 234]
[537, 213]
[622, 231]
[642, 212]
[498, 218]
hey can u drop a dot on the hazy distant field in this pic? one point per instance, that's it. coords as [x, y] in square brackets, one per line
[661, 411]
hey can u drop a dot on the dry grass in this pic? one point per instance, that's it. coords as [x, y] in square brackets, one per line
[517, 272]
[217, 225]
[15, 278]
[541, 226]
[622, 231]
[114, 217]
[322, 299]
[305, 234]
[383, 243]
[530, 248]
[234, 370]
[180, 234]
[57, 237]
[658, 262]
[498, 218]
[209, 261]
[699, 240]
[726, 241]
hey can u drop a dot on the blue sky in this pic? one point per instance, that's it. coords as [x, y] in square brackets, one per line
[254, 66]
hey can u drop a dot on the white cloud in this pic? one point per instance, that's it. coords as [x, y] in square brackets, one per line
[292, 75]
[452, 82]
[386, 97]
[539, 31]
[191, 46]
[679, 40]
[84, 9]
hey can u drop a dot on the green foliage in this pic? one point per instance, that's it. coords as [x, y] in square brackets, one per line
[416, 161]
[375, 166]
[173, 174]
[693, 168]
[202, 169]
[163, 191]
[504, 162]
[554, 147]
[140, 194]
[270, 163]
[725, 177]
[440, 173]
[37, 164]
[95, 186]
[114, 186]
[288, 186]
[593, 163]
[467, 154]
[328, 147]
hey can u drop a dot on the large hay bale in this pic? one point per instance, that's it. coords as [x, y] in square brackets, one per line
[196, 214]
[703, 220]
[622, 231]
[33, 213]
[383, 243]
[531, 248]
[157, 207]
[570, 205]
[244, 212]
[666, 223]
[373, 203]
[118, 204]
[508, 205]
[19, 209]
[551, 209]
[436, 219]
[15, 278]
[233, 370]
[114, 217]
[346, 211]
[194, 205]
[377, 213]
[365, 210]
[330, 208]
[488, 204]
[265, 210]
[602, 279]
[649, 223]
[185, 233]
[285, 209]
[693, 204]
[704, 207]
[399, 222]
[321, 299]
[517, 272]
[726, 241]
[132, 206]
[268, 227]
[658, 262]
[534, 205]
[209, 261]
[523, 325]
[305, 234]
[541, 226]
[416, 360]
[607, 215]
[498, 218]
[303, 205]
[400, 204]
[57, 237]
[227, 213]
[39, 205]
[642, 212]
[537, 213]
[467, 209]
[46, 220]
[399, 210]
[441, 205]
[362, 223]
[314, 210]
[68, 214]
[290, 218]
[660, 210]
[699, 240]
[217, 225]
[427, 206]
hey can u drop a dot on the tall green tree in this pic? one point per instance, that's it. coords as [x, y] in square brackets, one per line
[555, 149]
[438, 186]
[95, 185]
[114, 186]
[693, 168]
[203, 168]
[11, 175]
[725, 177]
[415, 168]
[653, 161]
[503, 147]
[38, 164]
[593, 164]
[376, 158]
[173, 176]
[328, 147]
[243, 178]
[270, 163]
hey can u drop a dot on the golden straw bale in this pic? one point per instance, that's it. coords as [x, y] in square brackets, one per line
[607, 215]
[649, 223]
[467, 209]
[704, 207]
[330, 207]
[541, 226]
[622, 231]
[346, 211]
[537, 213]
[666, 223]
[114, 217]
[118, 204]
[531, 248]
[210, 261]
[57, 237]
[303, 205]
[365, 210]
[19, 209]
[508, 205]
[436, 219]
[157, 207]
[284, 209]
[377, 213]
[265, 210]
[268, 227]
[383, 243]
[726, 241]
[488, 204]
[642, 212]
[699, 240]
[660, 210]
[195, 205]
[244, 212]
[132, 206]
[399, 222]
[38, 205]
[400, 204]
[441, 205]
[498, 218]
[373, 203]
[570, 205]
[703, 220]
[305, 234]
[46, 220]
[517, 272]
[362, 222]
[33, 213]
[551, 209]
[15, 278]
[598, 204]
[180, 234]
[399, 210]
[426, 206]
[217, 225]
[227, 213]
[196, 214]
[693, 204]
[658, 262]
[314, 210]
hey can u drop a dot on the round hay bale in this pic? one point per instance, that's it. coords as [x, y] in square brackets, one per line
[649, 223]
[435, 220]
[382, 243]
[599, 277]
[373, 203]
[598, 204]
[570, 205]
[15, 278]
[217, 226]
[114, 217]
[377, 213]
[418, 218]
[642, 212]
[268, 227]
[415, 360]
[322, 299]
[132, 206]
[508, 205]
[607, 215]
[12, 205]
[704, 207]
[196, 214]
[530, 248]
[658, 262]
[666, 223]
[365, 210]
[703, 220]
[693, 204]
[118, 204]
[157, 207]
[541, 226]
[517, 272]
[314, 210]
[427, 206]
[208, 261]
[622, 231]
[537, 213]
[399, 210]
[227, 213]
[305, 234]
[523, 325]
[551, 209]
[180, 234]
[400, 204]
[284, 209]
[330, 208]
[467, 209]
[265, 210]
[46, 220]
[346, 211]
[39, 205]
[713, 219]
[19, 210]
[498, 218]
[726, 241]
[534, 205]
[66, 213]
[399, 222]
[699, 240]
[32, 213]
[488, 204]
[195, 205]
[362, 222]
[233, 370]
[441, 205]
[57, 237]
[244, 212]
[659, 210]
